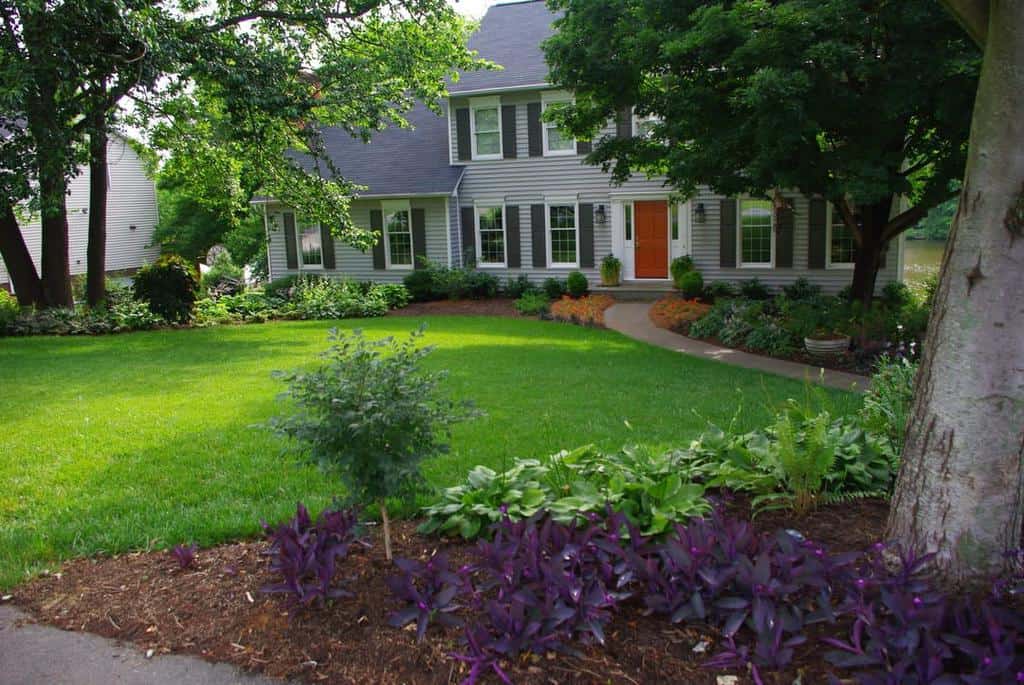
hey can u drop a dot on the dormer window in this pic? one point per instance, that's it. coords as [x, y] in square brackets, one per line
[556, 143]
[485, 123]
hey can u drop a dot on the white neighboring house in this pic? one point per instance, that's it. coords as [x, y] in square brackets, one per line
[131, 216]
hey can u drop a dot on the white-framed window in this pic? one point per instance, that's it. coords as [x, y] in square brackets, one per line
[755, 242]
[563, 234]
[556, 143]
[627, 210]
[398, 249]
[307, 237]
[491, 248]
[842, 246]
[485, 127]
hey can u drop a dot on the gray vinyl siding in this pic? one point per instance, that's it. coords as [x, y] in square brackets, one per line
[131, 201]
[350, 262]
[528, 180]
[705, 253]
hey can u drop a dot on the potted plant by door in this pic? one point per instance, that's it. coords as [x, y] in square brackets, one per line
[611, 270]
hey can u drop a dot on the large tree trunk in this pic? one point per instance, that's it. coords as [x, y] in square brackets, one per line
[56, 266]
[961, 486]
[96, 252]
[24, 277]
[873, 221]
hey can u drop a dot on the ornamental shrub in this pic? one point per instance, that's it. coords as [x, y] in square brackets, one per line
[169, 286]
[9, 310]
[680, 266]
[721, 289]
[691, 284]
[532, 304]
[223, 277]
[370, 413]
[554, 288]
[519, 286]
[281, 288]
[422, 285]
[801, 289]
[577, 284]
[754, 289]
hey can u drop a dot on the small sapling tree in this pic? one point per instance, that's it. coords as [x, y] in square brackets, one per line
[371, 413]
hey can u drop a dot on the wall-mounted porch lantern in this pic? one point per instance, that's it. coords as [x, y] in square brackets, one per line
[600, 214]
[699, 213]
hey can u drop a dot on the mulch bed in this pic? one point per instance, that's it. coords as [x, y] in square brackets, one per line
[498, 306]
[215, 610]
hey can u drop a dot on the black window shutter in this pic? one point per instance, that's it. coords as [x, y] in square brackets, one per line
[291, 252]
[586, 236]
[327, 246]
[419, 237]
[377, 226]
[538, 235]
[584, 147]
[468, 236]
[515, 251]
[508, 131]
[462, 133]
[784, 239]
[817, 233]
[624, 122]
[534, 130]
[727, 234]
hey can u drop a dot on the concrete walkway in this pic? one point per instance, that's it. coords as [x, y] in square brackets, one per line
[31, 654]
[631, 319]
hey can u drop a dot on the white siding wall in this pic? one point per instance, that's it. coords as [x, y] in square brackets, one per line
[131, 201]
[350, 262]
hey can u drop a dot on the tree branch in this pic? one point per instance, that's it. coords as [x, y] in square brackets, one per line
[280, 15]
[972, 15]
[905, 220]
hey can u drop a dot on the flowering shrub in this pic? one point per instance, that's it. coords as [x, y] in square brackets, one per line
[588, 310]
[674, 313]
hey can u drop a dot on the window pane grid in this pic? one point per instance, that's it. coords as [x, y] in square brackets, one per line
[629, 222]
[488, 133]
[399, 239]
[843, 249]
[756, 231]
[492, 235]
[563, 234]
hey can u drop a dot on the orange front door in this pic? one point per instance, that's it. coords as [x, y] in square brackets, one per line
[651, 240]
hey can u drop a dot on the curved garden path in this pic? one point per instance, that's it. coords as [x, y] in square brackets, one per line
[632, 319]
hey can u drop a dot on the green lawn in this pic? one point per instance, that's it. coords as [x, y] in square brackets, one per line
[150, 439]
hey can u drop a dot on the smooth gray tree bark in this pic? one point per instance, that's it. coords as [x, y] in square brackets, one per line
[960, 490]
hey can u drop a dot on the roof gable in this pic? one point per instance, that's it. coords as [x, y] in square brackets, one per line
[510, 35]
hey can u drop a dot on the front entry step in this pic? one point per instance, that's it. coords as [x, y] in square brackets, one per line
[636, 291]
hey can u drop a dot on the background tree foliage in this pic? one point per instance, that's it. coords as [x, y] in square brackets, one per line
[227, 88]
[827, 97]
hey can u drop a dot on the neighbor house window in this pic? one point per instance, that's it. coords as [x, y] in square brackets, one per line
[485, 123]
[555, 142]
[490, 227]
[564, 235]
[628, 208]
[757, 237]
[310, 245]
[398, 234]
[842, 247]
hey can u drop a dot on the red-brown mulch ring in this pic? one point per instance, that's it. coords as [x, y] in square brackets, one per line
[498, 306]
[215, 610]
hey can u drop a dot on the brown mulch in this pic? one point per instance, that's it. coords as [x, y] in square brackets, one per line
[215, 610]
[498, 306]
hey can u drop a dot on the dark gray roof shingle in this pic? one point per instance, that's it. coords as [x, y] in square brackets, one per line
[509, 35]
[397, 161]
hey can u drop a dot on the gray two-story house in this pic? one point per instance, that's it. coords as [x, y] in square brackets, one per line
[492, 185]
